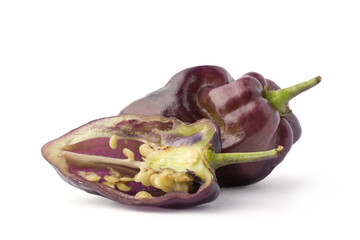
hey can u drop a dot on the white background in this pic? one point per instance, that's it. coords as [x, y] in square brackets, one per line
[64, 63]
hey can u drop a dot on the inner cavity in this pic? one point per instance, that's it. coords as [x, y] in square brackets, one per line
[100, 147]
[124, 183]
[104, 162]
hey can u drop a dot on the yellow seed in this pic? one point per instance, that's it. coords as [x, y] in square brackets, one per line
[155, 181]
[137, 177]
[123, 187]
[126, 179]
[113, 172]
[92, 177]
[159, 182]
[167, 172]
[165, 182]
[152, 179]
[143, 194]
[129, 154]
[181, 177]
[111, 179]
[145, 177]
[109, 184]
[82, 174]
[145, 150]
[113, 142]
[181, 187]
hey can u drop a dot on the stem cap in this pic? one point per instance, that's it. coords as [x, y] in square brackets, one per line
[280, 98]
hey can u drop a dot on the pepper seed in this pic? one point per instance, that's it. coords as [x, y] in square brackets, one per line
[137, 177]
[114, 173]
[181, 177]
[167, 172]
[123, 187]
[152, 179]
[145, 150]
[111, 179]
[126, 179]
[145, 177]
[129, 154]
[143, 194]
[109, 184]
[181, 187]
[165, 182]
[90, 176]
[81, 174]
[113, 142]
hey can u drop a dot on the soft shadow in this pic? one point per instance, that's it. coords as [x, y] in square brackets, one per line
[267, 192]
[273, 191]
[95, 201]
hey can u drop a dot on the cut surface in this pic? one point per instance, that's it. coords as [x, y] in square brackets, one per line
[134, 158]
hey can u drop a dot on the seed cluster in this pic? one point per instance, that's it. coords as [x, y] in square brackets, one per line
[90, 176]
[114, 180]
[167, 180]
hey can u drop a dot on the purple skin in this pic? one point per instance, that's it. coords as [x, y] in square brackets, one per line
[89, 149]
[250, 113]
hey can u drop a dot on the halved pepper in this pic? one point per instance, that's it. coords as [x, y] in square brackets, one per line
[251, 112]
[145, 160]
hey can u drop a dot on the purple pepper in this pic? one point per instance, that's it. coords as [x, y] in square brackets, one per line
[145, 160]
[251, 112]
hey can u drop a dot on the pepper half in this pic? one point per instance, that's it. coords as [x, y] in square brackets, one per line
[145, 160]
[251, 112]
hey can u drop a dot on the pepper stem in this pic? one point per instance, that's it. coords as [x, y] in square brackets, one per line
[218, 160]
[280, 98]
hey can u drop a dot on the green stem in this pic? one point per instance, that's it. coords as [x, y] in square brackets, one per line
[280, 98]
[218, 160]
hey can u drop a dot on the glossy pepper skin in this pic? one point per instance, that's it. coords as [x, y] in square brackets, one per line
[145, 160]
[251, 114]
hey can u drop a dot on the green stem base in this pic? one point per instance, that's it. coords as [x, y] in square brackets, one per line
[218, 160]
[280, 98]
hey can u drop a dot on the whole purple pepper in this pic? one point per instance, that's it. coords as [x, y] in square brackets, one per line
[251, 112]
[145, 160]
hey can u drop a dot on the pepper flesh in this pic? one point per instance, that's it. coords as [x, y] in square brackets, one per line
[164, 162]
[251, 114]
